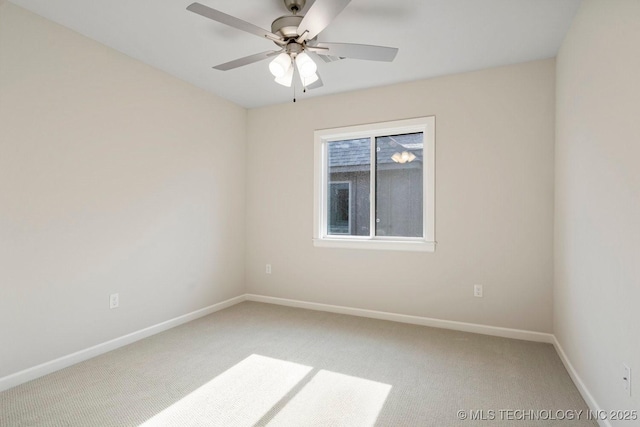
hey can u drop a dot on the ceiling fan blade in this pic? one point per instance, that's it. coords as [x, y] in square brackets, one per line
[231, 21]
[319, 16]
[246, 60]
[328, 58]
[357, 51]
[320, 54]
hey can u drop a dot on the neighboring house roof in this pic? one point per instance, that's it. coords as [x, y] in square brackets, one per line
[356, 152]
[352, 152]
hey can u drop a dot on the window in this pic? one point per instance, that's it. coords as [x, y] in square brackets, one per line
[374, 186]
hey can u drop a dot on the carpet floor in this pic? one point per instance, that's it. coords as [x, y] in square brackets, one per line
[258, 364]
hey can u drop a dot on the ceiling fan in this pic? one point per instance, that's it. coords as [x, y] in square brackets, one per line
[296, 37]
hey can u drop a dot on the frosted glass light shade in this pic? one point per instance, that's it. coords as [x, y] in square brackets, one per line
[281, 65]
[286, 79]
[306, 66]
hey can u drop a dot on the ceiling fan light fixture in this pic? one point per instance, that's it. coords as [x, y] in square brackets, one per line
[404, 157]
[296, 36]
[286, 79]
[306, 67]
[280, 66]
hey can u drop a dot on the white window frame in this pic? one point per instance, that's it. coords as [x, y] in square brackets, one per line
[427, 243]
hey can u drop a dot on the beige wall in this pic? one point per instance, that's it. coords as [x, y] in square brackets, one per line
[597, 227]
[114, 177]
[494, 201]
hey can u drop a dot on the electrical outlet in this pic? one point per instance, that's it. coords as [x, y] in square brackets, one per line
[477, 291]
[268, 269]
[627, 379]
[114, 301]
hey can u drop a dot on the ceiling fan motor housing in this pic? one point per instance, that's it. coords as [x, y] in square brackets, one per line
[287, 26]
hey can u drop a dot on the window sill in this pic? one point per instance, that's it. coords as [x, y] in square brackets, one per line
[388, 245]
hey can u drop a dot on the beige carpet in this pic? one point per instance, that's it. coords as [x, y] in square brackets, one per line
[259, 364]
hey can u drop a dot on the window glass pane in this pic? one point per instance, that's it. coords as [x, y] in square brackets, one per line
[349, 174]
[339, 207]
[399, 185]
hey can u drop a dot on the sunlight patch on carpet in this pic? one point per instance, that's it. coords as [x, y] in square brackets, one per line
[333, 399]
[240, 396]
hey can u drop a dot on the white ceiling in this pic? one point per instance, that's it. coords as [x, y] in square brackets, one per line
[435, 37]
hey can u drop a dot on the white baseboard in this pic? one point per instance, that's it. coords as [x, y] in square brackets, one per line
[71, 359]
[582, 388]
[415, 320]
